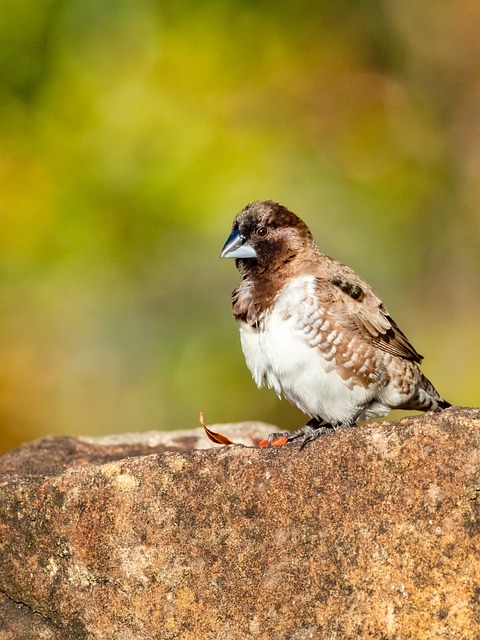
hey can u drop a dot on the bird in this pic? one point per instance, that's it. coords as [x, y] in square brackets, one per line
[315, 331]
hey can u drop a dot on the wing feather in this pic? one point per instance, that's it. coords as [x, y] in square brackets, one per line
[359, 309]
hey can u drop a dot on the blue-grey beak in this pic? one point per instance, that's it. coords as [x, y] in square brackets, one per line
[237, 247]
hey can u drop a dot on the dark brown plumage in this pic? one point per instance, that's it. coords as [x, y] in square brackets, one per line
[315, 331]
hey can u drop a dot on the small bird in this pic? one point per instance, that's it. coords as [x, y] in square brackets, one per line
[314, 331]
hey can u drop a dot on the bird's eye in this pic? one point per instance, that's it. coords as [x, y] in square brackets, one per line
[262, 232]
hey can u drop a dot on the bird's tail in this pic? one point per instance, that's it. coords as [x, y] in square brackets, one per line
[443, 404]
[427, 397]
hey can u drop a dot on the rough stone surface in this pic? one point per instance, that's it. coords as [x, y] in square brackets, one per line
[372, 532]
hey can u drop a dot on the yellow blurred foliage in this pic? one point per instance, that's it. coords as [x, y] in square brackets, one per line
[27, 208]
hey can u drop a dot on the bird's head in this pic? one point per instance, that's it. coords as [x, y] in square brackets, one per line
[266, 235]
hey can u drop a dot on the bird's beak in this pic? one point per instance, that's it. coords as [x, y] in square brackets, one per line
[237, 247]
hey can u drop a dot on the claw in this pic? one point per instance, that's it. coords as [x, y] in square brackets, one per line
[307, 433]
[274, 436]
[313, 435]
[314, 428]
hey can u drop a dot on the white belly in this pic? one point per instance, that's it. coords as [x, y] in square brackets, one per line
[279, 356]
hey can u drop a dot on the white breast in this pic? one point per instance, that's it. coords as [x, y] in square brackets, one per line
[278, 354]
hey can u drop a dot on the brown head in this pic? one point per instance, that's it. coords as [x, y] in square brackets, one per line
[266, 236]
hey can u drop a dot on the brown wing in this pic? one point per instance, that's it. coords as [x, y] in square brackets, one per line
[395, 341]
[361, 310]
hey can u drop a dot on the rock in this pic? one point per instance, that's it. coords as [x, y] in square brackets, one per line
[51, 455]
[371, 532]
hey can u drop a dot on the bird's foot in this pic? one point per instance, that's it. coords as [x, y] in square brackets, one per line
[307, 433]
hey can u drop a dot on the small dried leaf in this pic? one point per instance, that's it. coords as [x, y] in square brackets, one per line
[277, 442]
[218, 438]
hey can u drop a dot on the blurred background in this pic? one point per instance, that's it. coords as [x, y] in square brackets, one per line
[132, 132]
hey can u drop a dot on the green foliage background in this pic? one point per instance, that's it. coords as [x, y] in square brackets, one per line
[131, 132]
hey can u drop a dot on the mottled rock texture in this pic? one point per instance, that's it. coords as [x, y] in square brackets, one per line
[371, 532]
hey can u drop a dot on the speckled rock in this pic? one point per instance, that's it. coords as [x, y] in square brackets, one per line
[371, 532]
